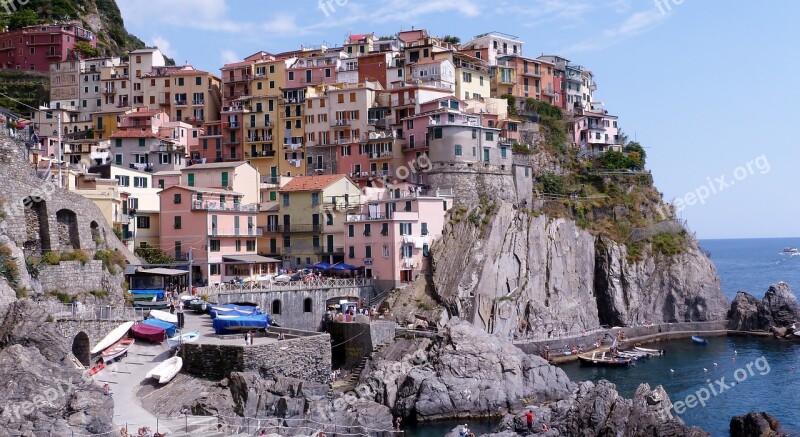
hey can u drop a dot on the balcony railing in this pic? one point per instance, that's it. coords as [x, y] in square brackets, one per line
[293, 146]
[180, 102]
[381, 155]
[259, 138]
[416, 145]
[326, 250]
[369, 217]
[271, 180]
[198, 102]
[340, 122]
[292, 229]
[261, 154]
[209, 205]
[253, 232]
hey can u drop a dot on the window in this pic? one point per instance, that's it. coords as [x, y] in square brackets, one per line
[176, 199]
[351, 252]
[426, 251]
[287, 241]
[503, 153]
[351, 231]
[177, 222]
[139, 182]
[405, 229]
[238, 245]
[437, 133]
[118, 160]
[276, 306]
[178, 250]
[198, 80]
[224, 179]
[406, 250]
[424, 228]
[213, 269]
[489, 136]
[143, 222]
[367, 251]
[329, 219]
[141, 142]
[386, 251]
[291, 75]
[123, 181]
[385, 229]
[214, 245]
[285, 199]
[307, 305]
[367, 230]
[458, 150]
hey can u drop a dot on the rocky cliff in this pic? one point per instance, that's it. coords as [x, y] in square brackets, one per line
[514, 266]
[778, 310]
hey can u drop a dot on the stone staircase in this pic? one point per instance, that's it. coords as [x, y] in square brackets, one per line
[355, 376]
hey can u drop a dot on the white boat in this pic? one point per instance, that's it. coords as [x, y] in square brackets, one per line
[789, 250]
[649, 351]
[164, 316]
[112, 337]
[117, 349]
[167, 370]
[177, 340]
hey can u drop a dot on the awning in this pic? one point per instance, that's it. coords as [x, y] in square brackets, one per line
[250, 259]
[160, 271]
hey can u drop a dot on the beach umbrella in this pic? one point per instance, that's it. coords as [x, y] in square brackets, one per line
[341, 267]
[321, 266]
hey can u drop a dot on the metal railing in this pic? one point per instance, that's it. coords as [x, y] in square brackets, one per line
[216, 290]
[83, 311]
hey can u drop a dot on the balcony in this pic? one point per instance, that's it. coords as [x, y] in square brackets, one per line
[237, 79]
[261, 154]
[292, 146]
[340, 123]
[198, 102]
[109, 91]
[326, 250]
[230, 125]
[235, 108]
[209, 205]
[506, 80]
[370, 217]
[416, 145]
[292, 229]
[343, 141]
[532, 73]
[259, 139]
[235, 157]
[163, 147]
[549, 92]
[270, 182]
[253, 232]
[381, 156]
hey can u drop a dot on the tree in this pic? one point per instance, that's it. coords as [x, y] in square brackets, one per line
[613, 160]
[451, 39]
[512, 103]
[23, 18]
[154, 255]
[635, 147]
[86, 50]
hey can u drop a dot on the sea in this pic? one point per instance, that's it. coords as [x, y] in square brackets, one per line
[733, 375]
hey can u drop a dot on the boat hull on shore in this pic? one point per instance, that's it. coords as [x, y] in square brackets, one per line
[603, 360]
[112, 337]
[167, 370]
[118, 349]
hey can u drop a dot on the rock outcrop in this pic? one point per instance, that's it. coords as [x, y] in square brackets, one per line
[41, 391]
[561, 280]
[598, 410]
[755, 425]
[776, 311]
[467, 373]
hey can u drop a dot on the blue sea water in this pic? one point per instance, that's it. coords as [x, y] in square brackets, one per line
[750, 265]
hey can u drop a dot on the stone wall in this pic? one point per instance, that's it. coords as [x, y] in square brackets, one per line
[469, 182]
[354, 341]
[306, 358]
[71, 332]
[73, 277]
[382, 332]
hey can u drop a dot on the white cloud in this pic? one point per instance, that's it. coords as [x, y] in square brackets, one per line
[166, 48]
[209, 15]
[228, 56]
[635, 24]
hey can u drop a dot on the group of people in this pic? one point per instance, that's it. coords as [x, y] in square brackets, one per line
[176, 305]
[335, 374]
[144, 431]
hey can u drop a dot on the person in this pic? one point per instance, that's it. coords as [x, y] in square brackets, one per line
[464, 431]
[179, 309]
[247, 338]
[397, 423]
[107, 389]
[74, 305]
[280, 336]
[529, 419]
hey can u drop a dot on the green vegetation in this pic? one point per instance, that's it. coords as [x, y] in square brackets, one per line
[60, 295]
[669, 244]
[101, 294]
[520, 149]
[51, 258]
[451, 39]
[85, 50]
[636, 152]
[113, 261]
[22, 18]
[553, 184]
[34, 266]
[512, 103]
[29, 87]
[49, 319]
[54, 258]
[8, 266]
[153, 255]
[424, 306]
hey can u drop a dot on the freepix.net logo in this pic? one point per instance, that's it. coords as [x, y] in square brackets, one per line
[665, 6]
[10, 6]
[328, 7]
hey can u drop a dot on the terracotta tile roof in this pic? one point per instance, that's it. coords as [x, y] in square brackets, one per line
[133, 134]
[236, 64]
[311, 183]
[429, 61]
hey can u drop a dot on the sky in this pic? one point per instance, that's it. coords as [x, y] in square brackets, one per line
[705, 86]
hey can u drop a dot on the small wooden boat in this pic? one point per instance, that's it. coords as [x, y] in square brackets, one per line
[649, 351]
[603, 360]
[152, 305]
[167, 370]
[112, 337]
[149, 332]
[164, 316]
[97, 368]
[699, 340]
[177, 340]
[117, 350]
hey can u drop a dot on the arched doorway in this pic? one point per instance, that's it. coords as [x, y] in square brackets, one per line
[81, 348]
[276, 307]
[37, 230]
[95, 228]
[68, 229]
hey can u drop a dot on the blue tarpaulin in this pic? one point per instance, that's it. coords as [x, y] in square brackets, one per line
[343, 267]
[159, 293]
[233, 310]
[169, 327]
[239, 324]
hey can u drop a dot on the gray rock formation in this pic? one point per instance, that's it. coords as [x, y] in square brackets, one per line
[467, 373]
[42, 391]
[598, 410]
[755, 425]
[778, 309]
[562, 280]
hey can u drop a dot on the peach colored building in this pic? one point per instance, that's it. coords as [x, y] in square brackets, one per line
[238, 176]
[392, 235]
[215, 230]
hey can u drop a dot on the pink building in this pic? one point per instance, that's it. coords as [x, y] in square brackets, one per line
[392, 235]
[34, 48]
[213, 229]
[147, 140]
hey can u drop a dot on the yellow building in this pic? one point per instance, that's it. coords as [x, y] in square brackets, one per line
[186, 94]
[105, 123]
[309, 221]
[473, 79]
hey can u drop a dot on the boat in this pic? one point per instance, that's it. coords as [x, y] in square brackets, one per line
[112, 337]
[604, 360]
[149, 332]
[634, 355]
[164, 316]
[234, 310]
[699, 340]
[170, 328]
[96, 369]
[242, 323]
[151, 305]
[789, 250]
[177, 340]
[167, 370]
[649, 351]
[118, 349]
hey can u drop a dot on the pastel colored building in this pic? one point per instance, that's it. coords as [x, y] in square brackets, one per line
[185, 93]
[115, 87]
[238, 176]
[595, 131]
[494, 45]
[473, 78]
[34, 48]
[393, 233]
[146, 140]
[310, 221]
[215, 230]
[142, 61]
